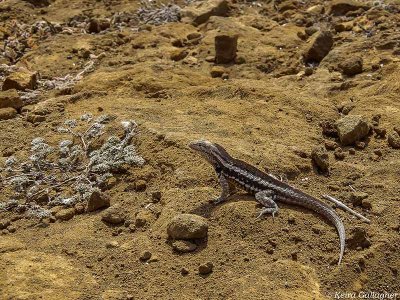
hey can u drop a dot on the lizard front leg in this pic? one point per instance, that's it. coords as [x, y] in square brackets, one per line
[267, 199]
[227, 189]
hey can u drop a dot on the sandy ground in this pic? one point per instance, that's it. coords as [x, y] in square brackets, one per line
[267, 112]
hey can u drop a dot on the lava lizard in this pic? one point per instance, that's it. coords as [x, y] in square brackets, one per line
[266, 188]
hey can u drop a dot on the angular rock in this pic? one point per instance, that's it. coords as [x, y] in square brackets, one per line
[113, 215]
[351, 66]
[183, 246]
[7, 113]
[20, 80]
[394, 140]
[351, 129]
[187, 226]
[225, 48]
[357, 197]
[97, 200]
[341, 7]
[178, 54]
[98, 25]
[10, 98]
[199, 12]
[320, 45]
[321, 159]
[65, 214]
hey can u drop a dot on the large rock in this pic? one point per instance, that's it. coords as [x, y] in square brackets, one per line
[341, 7]
[225, 48]
[10, 98]
[7, 113]
[352, 128]
[319, 47]
[20, 80]
[187, 226]
[199, 12]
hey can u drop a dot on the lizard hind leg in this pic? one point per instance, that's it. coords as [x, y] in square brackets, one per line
[266, 199]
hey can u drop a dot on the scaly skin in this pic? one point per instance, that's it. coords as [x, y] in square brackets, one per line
[266, 188]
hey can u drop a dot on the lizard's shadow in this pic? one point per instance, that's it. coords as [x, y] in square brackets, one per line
[205, 209]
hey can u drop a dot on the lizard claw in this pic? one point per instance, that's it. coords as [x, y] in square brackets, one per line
[267, 210]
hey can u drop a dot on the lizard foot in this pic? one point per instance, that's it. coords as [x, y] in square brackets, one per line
[268, 210]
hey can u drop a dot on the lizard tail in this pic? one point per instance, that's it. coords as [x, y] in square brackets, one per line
[323, 209]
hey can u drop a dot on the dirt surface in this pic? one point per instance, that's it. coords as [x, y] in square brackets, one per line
[269, 108]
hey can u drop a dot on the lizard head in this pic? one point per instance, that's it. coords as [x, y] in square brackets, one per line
[206, 149]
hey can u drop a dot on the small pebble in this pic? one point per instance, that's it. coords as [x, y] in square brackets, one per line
[184, 271]
[339, 154]
[146, 255]
[206, 268]
[352, 151]
[112, 244]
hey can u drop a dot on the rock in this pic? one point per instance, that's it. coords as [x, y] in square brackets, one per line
[341, 7]
[310, 30]
[97, 200]
[380, 132]
[184, 271]
[346, 107]
[20, 80]
[321, 159]
[7, 113]
[330, 145]
[357, 197]
[65, 214]
[187, 226]
[113, 215]
[140, 185]
[329, 128]
[225, 48]
[79, 208]
[217, 71]
[345, 26]
[4, 224]
[352, 151]
[178, 54]
[339, 154]
[351, 66]
[308, 71]
[316, 9]
[33, 118]
[360, 145]
[112, 244]
[156, 196]
[10, 98]
[199, 13]
[365, 203]
[143, 218]
[394, 140]
[146, 255]
[210, 58]
[359, 239]
[194, 36]
[352, 128]
[206, 268]
[98, 25]
[319, 47]
[183, 246]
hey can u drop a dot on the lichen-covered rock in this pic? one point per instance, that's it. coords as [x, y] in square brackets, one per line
[199, 12]
[352, 128]
[10, 98]
[320, 45]
[187, 226]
